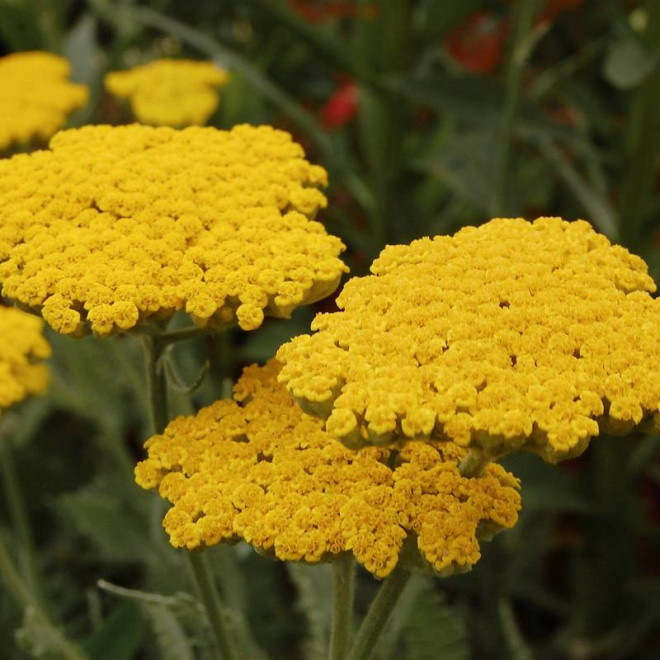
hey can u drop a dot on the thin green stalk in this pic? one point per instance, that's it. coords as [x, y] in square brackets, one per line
[522, 41]
[25, 600]
[343, 590]
[205, 583]
[642, 141]
[156, 385]
[474, 463]
[378, 614]
[21, 524]
[214, 609]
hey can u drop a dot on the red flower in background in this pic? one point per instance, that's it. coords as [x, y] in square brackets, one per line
[478, 43]
[342, 106]
[318, 11]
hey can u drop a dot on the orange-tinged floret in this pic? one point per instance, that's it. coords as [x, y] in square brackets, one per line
[260, 470]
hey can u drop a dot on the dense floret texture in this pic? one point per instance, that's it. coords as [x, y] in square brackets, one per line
[170, 92]
[515, 334]
[114, 226]
[22, 348]
[260, 470]
[36, 97]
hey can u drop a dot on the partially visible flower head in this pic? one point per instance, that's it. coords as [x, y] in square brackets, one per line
[262, 471]
[36, 97]
[119, 225]
[170, 92]
[22, 347]
[513, 335]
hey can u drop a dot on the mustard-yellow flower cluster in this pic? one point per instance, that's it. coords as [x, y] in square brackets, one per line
[262, 471]
[115, 226]
[22, 346]
[170, 92]
[516, 334]
[35, 97]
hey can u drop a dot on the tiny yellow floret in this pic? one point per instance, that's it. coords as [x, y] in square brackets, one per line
[116, 226]
[36, 97]
[513, 335]
[22, 350]
[170, 92]
[260, 470]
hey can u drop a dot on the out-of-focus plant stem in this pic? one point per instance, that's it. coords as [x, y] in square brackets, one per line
[24, 599]
[343, 590]
[379, 613]
[642, 139]
[154, 346]
[20, 519]
[518, 54]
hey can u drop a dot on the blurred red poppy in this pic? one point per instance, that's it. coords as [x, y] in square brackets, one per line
[342, 106]
[478, 43]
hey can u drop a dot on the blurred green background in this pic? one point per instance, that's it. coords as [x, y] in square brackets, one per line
[429, 115]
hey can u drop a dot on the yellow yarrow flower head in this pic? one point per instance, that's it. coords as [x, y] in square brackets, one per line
[36, 97]
[513, 335]
[115, 226]
[170, 92]
[258, 469]
[22, 347]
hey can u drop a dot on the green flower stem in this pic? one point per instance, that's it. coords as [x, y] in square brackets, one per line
[343, 589]
[379, 613]
[156, 384]
[214, 608]
[522, 42]
[642, 142]
[474, 463]
[205, 583]
[25, 600]
[21, 523]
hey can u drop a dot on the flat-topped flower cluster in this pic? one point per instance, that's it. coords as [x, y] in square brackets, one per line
[170, 92]
[259, 469]
[36, 97]
[22, 348]
[115, 226]
[513, 335]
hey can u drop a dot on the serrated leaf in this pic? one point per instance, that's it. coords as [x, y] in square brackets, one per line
[314, 596]
[38, 638]
[173, 643]
[628, 64]
[433, 630]
[176, 382]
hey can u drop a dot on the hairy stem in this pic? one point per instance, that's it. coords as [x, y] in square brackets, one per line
[378, 614]
[217, 617]
[343, 589]
[474, 463]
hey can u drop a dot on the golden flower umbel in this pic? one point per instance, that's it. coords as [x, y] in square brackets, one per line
[513, 335]
[258, 469]
[116, 226]
[22, 348]
[36, 97]
[170, 92]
